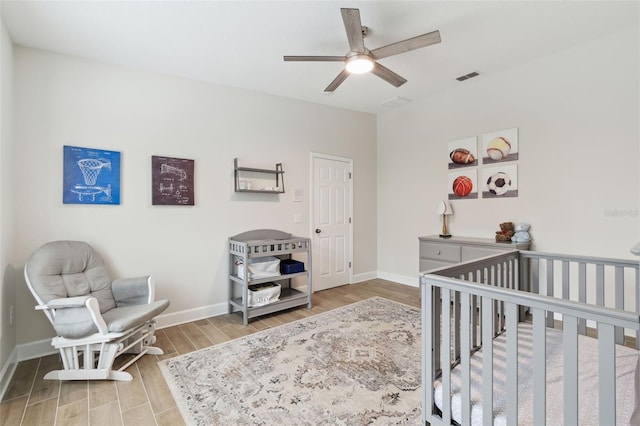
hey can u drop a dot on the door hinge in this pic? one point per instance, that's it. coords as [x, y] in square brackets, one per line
[349, 264]
[349, 175]
[349, 220]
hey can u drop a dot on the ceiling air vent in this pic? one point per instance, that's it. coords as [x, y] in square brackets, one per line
[468, 76]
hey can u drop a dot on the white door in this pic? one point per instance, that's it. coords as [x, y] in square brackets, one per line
[331, 221]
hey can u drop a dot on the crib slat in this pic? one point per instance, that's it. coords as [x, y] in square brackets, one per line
[437, 313]
[600, 285]
[456, 324]
[637, 289]
[445, 361]
[465, 391]
[428, 337]
[565, 280]
[582, 294]
[539, 368]
[487, 361]
[606, 374]
[512, 363]
[549, 292]
[474, 321]
[500, 305]
[495, 280]
[535, 275]
[619, 283]
[570, 368]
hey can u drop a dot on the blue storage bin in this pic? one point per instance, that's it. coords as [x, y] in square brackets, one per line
[290, 266]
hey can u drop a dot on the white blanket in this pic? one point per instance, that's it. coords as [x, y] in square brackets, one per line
[626, 391]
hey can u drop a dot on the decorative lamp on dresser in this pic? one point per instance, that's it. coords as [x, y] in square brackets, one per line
[436, 252]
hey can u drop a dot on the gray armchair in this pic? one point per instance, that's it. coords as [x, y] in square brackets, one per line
[93, 316]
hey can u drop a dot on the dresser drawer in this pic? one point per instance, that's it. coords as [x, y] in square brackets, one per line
[471, 253]
[439, 252]
[427, 265]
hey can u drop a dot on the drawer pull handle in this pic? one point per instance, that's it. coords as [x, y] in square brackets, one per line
[438, 252]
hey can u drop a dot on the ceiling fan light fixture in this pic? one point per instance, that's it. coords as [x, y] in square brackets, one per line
[359, 64]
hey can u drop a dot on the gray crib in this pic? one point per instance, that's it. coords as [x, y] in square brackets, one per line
[505, 340]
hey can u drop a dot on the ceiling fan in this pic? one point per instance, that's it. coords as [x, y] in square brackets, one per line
[360, 60]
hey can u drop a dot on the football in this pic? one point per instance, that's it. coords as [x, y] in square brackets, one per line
[499, 183]
[461, 156]
[498, 148]
[462, 186]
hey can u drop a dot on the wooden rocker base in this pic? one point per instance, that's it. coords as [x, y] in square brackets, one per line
[102, 373]
[82, 374]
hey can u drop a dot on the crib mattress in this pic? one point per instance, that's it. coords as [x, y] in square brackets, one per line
[626, 392]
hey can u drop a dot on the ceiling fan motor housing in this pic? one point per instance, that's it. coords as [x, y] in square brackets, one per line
[361, 60]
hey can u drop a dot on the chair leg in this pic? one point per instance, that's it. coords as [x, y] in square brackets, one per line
[92, 369]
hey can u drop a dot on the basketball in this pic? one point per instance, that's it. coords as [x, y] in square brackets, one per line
[462, 186]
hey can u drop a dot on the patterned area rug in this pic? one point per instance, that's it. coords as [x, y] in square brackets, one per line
[355, 365]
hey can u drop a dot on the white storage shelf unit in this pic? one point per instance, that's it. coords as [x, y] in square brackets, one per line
[263, 243]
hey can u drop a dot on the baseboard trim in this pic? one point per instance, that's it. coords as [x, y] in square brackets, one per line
[358, 278]
[35, 349]
[7, 372]
[401, 279]
[195, 314]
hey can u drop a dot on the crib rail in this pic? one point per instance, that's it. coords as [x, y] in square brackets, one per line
[486, 296]
[500, 270]
[596, 280]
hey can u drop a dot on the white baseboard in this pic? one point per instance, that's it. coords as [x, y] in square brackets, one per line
[35, 349]
[195, 314]
[401, 279]
[358, 278]
[7, 372]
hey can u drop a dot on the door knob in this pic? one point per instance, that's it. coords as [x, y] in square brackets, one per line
[318, 231]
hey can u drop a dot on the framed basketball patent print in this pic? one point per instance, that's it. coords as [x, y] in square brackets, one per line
[90, 176]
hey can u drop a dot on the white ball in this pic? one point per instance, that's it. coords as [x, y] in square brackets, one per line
[499, 183]
[498, 148]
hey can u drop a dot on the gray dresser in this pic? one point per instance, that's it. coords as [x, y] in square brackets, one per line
[436, 252]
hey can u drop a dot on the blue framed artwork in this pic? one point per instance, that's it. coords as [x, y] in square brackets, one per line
[91, 176]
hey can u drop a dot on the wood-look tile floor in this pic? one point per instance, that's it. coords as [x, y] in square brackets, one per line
[146, 400]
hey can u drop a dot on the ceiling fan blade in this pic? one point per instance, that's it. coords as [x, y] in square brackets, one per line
[352, 24]
[387, 75]
[315, 58]
[423, 40]
[337, 81]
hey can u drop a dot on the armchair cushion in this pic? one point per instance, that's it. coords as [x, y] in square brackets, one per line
[132, 291]
[121, 319]
[61, 269]
[74, 323]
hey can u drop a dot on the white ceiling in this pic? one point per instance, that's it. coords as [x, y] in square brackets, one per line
[241, 43]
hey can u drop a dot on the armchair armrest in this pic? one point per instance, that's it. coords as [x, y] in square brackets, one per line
[133, 291]
[74, 315]
[66, 302]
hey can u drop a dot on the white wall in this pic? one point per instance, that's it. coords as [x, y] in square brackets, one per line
[61, 100]
[7, 282]
[577, 115]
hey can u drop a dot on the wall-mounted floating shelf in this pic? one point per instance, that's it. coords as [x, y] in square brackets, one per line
[263, 181]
